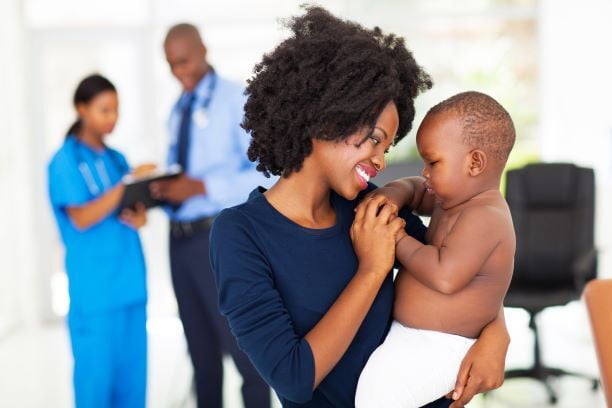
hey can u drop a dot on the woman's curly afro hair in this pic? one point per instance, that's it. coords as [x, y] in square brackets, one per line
[330, 79]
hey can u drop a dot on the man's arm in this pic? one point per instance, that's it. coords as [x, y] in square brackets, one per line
[451, 266]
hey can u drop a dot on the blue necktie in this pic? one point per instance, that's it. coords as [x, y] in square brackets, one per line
[182, 150]
[183, 136]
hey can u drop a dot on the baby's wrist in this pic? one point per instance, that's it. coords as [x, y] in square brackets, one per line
[400, 238]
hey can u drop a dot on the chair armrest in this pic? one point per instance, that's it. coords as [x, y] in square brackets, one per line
[583, 267]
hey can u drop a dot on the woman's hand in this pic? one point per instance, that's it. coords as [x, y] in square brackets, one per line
[373, 233]
[394, 196]
[407, 192]
[143, 170]
[134, 218]
[482, 368]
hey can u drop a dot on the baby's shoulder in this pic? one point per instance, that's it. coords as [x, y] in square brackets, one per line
[486, 214]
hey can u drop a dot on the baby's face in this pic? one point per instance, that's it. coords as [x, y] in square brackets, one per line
[445, 156]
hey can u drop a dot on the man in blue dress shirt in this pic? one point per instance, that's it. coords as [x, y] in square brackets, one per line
[209, 144]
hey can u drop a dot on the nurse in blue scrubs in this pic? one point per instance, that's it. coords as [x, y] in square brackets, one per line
[104, 257]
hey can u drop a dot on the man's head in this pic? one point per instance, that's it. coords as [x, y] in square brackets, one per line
[186, 55]
[464, 142]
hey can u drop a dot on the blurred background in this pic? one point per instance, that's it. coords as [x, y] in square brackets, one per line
[544, 60]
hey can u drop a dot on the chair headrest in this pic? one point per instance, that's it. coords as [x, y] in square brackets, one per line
[551, 184]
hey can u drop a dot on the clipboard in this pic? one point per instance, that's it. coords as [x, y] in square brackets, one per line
[137, 189]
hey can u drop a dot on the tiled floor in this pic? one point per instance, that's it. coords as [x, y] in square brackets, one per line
[35, 365]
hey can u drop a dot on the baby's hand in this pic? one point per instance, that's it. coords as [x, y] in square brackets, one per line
[400, 234]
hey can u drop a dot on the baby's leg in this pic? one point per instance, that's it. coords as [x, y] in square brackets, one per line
[411, 368]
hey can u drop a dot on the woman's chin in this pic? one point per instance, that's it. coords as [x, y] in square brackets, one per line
[348, 194]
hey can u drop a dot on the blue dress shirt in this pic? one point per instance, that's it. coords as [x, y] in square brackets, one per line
[217, 148]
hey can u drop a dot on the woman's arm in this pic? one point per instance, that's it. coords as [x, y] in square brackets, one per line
[482, 369]
[293, 364]
[90, 213]
[373, 238]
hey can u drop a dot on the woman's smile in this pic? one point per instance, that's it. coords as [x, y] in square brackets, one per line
[364, 174]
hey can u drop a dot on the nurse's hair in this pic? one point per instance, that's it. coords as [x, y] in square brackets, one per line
[329, 79]
[88, 89]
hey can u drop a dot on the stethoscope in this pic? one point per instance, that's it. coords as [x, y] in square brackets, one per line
[86, 172]
[200, 115]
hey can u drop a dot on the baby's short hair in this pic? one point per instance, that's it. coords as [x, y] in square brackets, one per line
[486, 124]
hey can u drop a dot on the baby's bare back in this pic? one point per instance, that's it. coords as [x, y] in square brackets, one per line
[466, 311]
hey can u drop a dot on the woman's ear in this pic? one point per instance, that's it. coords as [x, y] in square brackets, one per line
[478, 162]
[81, 109]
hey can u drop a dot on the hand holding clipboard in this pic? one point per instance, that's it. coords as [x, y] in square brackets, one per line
[138, 186]
[176, 190]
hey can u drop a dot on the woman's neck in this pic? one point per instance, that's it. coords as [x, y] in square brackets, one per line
[303, 199]
[91, 139]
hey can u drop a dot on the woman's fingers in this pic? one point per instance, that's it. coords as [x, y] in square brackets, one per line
[387, 213]
[360, 211]
[127, 217]
[373, 206]
[397, 224]
[140, 208]
[368, 209]
[471, 389]
[462, 378]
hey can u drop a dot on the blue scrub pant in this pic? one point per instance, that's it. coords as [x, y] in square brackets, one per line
[110, 357]
[206, 330]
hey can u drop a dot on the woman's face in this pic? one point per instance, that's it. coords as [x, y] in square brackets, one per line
[100, 114]
[347, 165]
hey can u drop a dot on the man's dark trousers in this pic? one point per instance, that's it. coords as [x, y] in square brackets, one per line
[207, 332]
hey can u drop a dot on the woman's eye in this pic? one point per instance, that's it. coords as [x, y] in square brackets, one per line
[432, 163]
[374, 140]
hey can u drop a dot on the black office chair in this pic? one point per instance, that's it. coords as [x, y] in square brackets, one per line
[553, 209]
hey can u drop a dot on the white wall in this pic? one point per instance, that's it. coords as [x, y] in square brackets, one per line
[575, 97]
[18, 287]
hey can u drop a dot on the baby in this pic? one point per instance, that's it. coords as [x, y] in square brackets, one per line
[448, 290]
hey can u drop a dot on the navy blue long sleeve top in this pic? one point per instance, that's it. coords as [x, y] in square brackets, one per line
[277, 279]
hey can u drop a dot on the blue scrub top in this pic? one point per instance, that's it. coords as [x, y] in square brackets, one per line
[105, 262]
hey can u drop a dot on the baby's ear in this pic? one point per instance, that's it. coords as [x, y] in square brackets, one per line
[478, 162]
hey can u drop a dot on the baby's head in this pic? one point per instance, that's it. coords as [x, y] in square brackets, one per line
[464, 142]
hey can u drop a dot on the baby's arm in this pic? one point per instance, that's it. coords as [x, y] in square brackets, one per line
[407, 192]
[451, 266]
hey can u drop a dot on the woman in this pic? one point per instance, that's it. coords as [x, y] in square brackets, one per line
[104, 258]
[304, 280]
